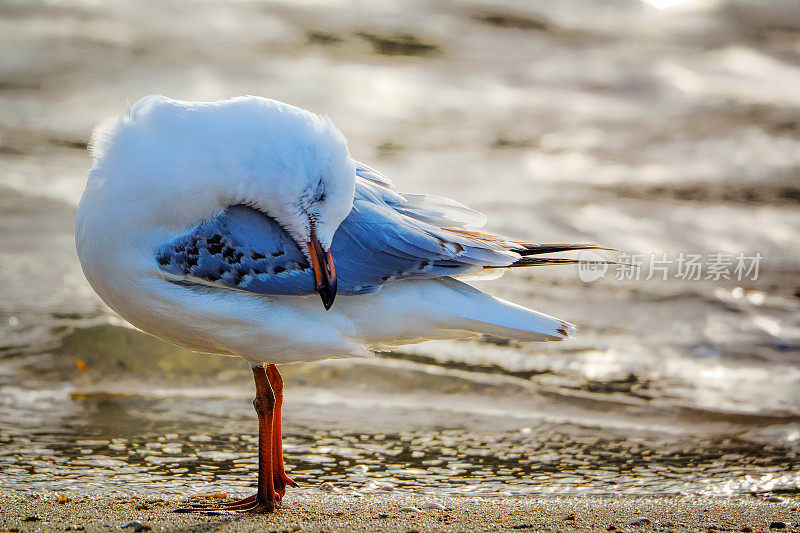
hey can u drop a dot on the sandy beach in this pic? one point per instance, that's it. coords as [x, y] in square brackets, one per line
[312, 511]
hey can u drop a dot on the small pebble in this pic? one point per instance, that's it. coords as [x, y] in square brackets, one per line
[409, 509]
[639, 521]
[433, 505]
[777, 525]
[382, 515]
[136, 525]
[774, 499]
[327, 486]
[746, 529]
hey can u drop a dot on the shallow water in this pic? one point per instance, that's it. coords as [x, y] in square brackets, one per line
[646, 130]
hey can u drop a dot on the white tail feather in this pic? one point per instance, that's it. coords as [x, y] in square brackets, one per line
[414, 311]
[473, 310]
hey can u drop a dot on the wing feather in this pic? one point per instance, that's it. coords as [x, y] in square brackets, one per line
[386, 237]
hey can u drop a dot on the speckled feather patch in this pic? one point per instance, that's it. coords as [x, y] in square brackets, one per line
[257, 256]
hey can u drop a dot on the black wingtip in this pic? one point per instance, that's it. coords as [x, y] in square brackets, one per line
[537, 249]
[537, 261]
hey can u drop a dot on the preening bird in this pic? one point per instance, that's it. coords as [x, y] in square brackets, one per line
[217, 226]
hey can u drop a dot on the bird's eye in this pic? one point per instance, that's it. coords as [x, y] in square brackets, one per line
[319, 195]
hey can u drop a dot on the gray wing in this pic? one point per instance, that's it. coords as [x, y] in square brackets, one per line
[386, 237]
[390, 236]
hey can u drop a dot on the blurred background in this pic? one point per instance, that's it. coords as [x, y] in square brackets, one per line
[653, 127]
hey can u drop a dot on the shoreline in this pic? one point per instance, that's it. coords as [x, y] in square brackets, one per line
[312, 511]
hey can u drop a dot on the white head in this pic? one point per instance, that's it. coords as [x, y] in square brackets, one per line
[169, 165]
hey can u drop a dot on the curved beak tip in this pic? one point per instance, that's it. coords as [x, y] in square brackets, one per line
[327, 294]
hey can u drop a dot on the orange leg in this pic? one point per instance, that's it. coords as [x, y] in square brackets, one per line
[281, 479]
[266, 500]
[264, 403]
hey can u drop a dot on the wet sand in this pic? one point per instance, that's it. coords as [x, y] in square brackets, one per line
[308, 510]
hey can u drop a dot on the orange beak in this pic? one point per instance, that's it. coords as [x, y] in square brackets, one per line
[324, 271]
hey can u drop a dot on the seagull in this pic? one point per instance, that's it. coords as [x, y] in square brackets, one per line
[215, 226]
